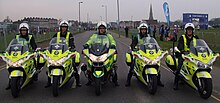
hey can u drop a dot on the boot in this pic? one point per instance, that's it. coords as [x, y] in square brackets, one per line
[159, 83]
[89, 83]
[36, 77]
[175, 86]
[48, 83]
[115, 78]
[128, 83]
[78, 84]
[8, 86]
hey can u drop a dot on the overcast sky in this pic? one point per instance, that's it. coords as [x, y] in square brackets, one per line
[129, 9]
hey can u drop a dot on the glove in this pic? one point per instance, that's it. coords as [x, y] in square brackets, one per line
[86, 46]
[72, 50]
[112, 47]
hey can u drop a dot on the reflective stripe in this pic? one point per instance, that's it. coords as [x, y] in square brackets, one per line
[140, 41]
[26, 42]
[186, 48]
[67, 37]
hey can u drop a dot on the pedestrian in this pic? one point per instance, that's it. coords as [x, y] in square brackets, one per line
[166, 33]
[126, 31]
[149, 30]
[161, 32]
[154, 31]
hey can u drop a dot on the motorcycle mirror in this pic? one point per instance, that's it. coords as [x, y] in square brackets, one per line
[2, 52]
[136, 49]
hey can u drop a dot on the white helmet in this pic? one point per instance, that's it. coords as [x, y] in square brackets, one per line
[24, 25]
[64, 23]
[189, 25]
[102, 23]
[143, 26]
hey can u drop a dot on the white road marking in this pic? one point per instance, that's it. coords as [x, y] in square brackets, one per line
[2, 67]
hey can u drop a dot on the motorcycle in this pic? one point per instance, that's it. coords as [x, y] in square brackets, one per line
[146, 58]
[196, 67]
[59, 63]
[20, 65]
[101, 61]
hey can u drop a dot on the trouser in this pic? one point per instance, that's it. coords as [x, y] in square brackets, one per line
[180, 63]
[154, 35]
[76, 71]
[161, 37]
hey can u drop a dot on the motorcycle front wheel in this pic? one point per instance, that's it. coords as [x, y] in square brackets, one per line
[98, 86]
[152, 84]
[205, 90]
[15, 86]
[56, 80]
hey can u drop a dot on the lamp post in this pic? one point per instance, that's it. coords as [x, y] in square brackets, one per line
[106, 17]
[118, 17]
[79, 16]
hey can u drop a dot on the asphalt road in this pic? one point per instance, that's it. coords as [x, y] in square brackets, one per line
[136, 93]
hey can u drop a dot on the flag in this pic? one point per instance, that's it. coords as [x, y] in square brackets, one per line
[166, 12]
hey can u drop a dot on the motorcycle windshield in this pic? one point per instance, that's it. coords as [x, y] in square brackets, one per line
[17, 45]
[58, 44]
[199, 46]
[149, 43]
[100, 45]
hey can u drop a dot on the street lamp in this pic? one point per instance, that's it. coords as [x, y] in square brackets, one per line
[79, 15]
[101, 18]
[118, 18]
[105, 12]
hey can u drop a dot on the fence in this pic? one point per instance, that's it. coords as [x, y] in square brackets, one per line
[6, 39]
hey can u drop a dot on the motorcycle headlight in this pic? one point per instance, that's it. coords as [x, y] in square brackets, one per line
[101, 58]
[17, 63]
[201, 64]
[146, 60]
[61, 60]
[155, 61]
[8, 61]
[56, 63]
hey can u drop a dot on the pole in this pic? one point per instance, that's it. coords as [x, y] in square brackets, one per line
[79, 16]
[118, 18]
[106, 14]
[4, 33]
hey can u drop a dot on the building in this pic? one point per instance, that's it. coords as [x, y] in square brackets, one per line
[151, 21]
[37, 24]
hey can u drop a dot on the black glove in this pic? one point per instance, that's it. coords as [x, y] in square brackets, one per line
[72, 50]
[112, 47]
[86, 46]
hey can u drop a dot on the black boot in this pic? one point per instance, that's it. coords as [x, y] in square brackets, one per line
[36, 77]
[48, 83]
[159, 83]
[8, 86]
[175, 85]
[89, 83]
[89, 80]
[128, 83]
[115, 79]
[78, 84]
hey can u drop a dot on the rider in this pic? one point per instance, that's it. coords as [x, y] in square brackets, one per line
[102, 30]
[70, 41]
[136, 41]
[24, 33]
[183, 46]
